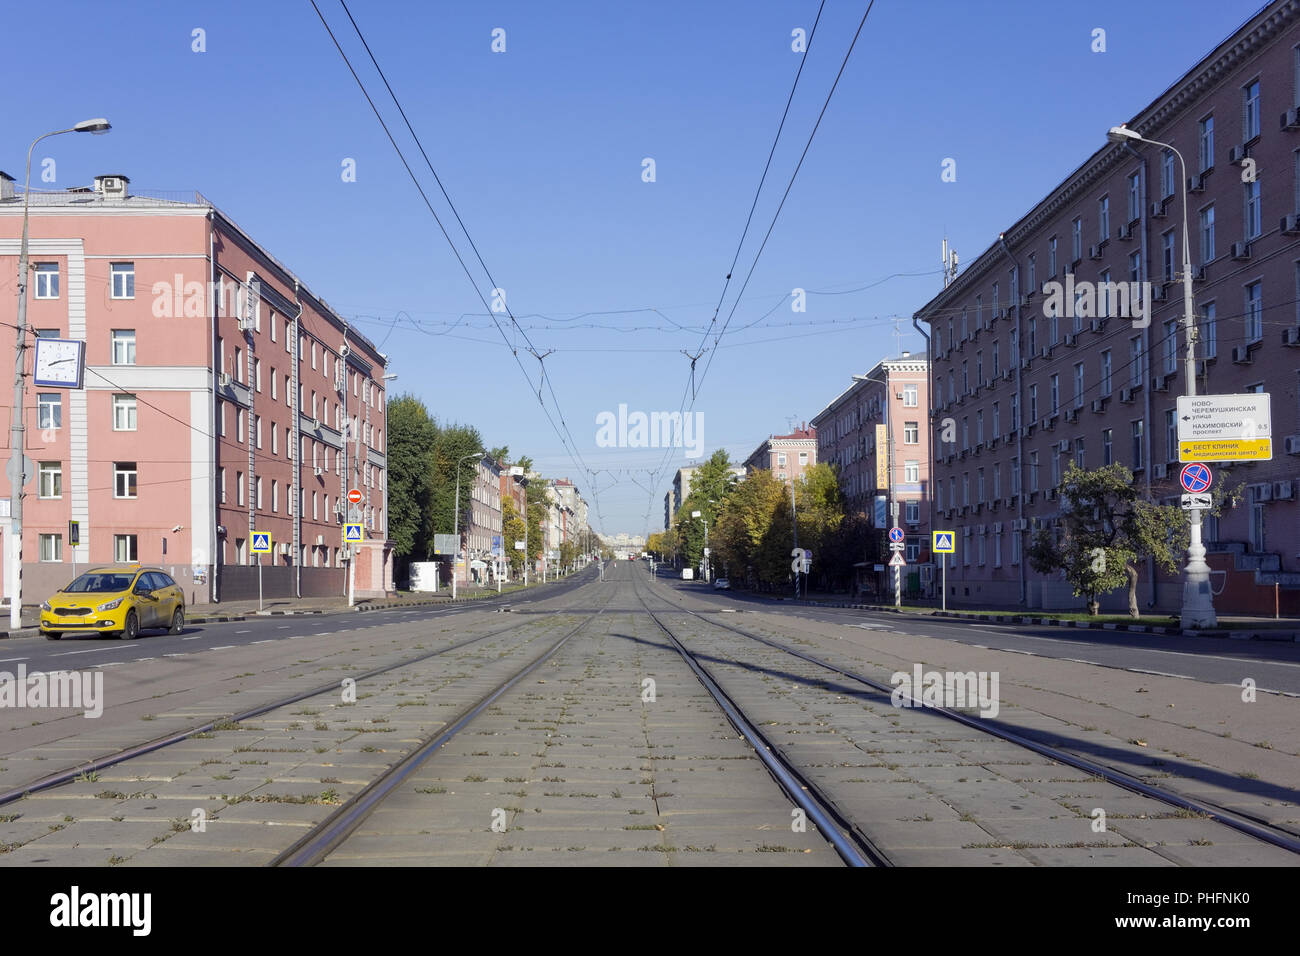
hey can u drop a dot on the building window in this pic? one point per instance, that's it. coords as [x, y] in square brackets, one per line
[1033, 273]
[124, 479]
[1167, 255]
[1250, 118]
[49, 410]
[1167, 181]
[1078, 384]
[803, 456]
[1102, 305]
[1051, 258]
[125, 549]
[124, 346]
[1171, 434]
[124, 413]
[1105, 373]
[122, 275]
[1135, 360]
[1206, 142]
[1033, 471]
[911, 471]
[1134, 197]
[274, 385]
[912, 512]
[273, 325]
[1135, 430]
[51, 479]
[1171, 346]
[1079, 457]
[910, 396]
[221, 478]
[258, 499]
[1033, 404]
[257, 373]
[257, 422]
[1207, 234]
[1033, 337]
[780, 459]
[47, 280]
[1208, 332]
[1254, 217]
[911, 433]
[1103, 218]
[275, 441]
[1055, 390]
[275, 496]
[51, 547]
[1107, 446]
[239, 488]
[1076, 240]
[997, 420]
[1254, 312]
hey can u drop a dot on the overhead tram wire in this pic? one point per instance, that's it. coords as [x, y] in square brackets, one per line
[569, 443]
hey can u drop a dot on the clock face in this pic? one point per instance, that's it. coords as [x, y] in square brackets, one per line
[58, 363]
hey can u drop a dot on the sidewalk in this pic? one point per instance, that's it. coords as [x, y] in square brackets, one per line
[1233, 627]
[225, 611]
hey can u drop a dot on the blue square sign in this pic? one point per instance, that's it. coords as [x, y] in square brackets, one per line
[352, 533]
[261, 542]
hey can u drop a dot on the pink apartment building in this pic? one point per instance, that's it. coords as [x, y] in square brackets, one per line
[785, 456]
[1027, 386]
[207, 412]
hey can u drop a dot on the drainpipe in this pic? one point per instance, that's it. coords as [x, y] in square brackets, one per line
[1020, 417]
[214, 588]
[295, 400]
[1144, 215]
[929, 406]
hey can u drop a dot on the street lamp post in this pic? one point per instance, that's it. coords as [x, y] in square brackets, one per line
[456, 524]
[1198, 599]
[18, 426]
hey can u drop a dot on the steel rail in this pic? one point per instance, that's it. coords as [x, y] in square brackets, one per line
[330, 833]
[60, 777]
[1240, 822]
[848, 840]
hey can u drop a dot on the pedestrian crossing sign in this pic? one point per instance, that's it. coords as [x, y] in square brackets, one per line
[261, 542]
[352, 533]
[944, 542]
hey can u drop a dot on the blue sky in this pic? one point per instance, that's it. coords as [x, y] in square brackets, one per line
[541, 148]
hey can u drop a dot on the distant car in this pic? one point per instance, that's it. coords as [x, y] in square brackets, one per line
[115, 602]
[721, 584]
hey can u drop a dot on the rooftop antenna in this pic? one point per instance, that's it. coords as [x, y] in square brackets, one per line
[948, 262]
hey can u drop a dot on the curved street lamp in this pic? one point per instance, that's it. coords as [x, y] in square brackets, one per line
[17, 428]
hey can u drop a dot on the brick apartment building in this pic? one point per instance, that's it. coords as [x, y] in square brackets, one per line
[892, 396]
[205, 413]
[1027, 386]
[785, 456]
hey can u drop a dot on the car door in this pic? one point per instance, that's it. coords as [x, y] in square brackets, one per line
[169, 598]
[146, 602]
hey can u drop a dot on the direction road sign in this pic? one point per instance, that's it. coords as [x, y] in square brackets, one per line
[944, 542]
[895, 534]
[261, 542]
[355, 496]
[1225, 427]
[352, 533]
[1196, 502]
[1195, 477]
[445, 544]
[897, 561]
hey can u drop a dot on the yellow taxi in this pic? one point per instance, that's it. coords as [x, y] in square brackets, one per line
[117, 601]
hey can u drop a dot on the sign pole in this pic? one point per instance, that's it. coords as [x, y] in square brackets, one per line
[944, 584]
[259, 582]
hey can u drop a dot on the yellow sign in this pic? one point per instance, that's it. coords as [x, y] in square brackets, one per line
[943, 542]
[1226, 449]
[882, 456]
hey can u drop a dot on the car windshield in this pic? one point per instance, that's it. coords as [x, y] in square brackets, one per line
[99, 583]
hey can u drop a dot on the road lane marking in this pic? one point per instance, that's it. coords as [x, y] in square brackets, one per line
[267, 641]
[91, 650]
[8, 659]
[223, 647]
[244, 631]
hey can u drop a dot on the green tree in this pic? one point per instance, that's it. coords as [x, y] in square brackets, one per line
[512, 530]
[744, 531]
[451, 445]
[1106, 528]
[411, 433]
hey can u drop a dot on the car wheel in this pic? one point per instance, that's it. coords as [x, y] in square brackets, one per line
[52, 635]
[178, 621]
[132, 627]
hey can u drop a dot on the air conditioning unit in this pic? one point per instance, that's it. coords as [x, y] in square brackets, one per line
[1125, 231]
[1199, 275]
[1020, 524]
[340, 507]
[1292, 444]
[1126, 396]
[1159, 472]
[320, 540]
[1283, 490]
[318, 471]
[993, 442]
[1291, 336]
[1025, 363]
[994, 504]
[315, 424]
[1289, 225]
[1094, 252]
[284, 547]
[226, 380]
[1099, 404]
[1160, 383]
[1049, 423]
[1158, 209]
[1097, 325]
[1069, 340]
[1237, 155]
[338, 383]
[1006, 375]
[1241, 250]
[1046, 351]
[981, 529]
[1024, 300]
[1051, 494]
[1262, 492]
[1289, 120]
[1063, 447]
[1241, 354]
[1158, 293]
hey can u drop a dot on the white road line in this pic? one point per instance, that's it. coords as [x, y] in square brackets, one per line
[176, 655]
[8, 659]
[194, 638]
[223, 647]
[282, 627]
[1080, 660]
[1141, 670]
[244, 631]
[91, 650]
[297, 637]
[262, 642]
[109, 664]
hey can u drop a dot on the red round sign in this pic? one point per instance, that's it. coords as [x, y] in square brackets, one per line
[355, 496]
